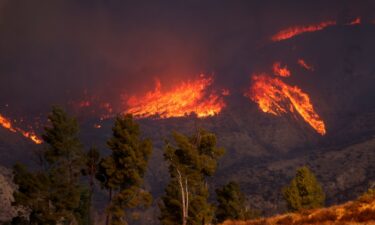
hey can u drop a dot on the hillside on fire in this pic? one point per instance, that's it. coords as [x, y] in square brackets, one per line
[187, 113]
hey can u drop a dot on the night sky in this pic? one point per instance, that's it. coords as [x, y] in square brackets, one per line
[52, 52]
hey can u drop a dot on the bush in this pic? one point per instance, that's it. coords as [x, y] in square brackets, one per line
[304, 191]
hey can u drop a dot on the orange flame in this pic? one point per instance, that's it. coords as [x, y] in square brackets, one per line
[356, 21]
[92, 106]
[97, 126]
[280, 71]
[225, 92]
[297, 30]
[4, 122]
[302, 63]
[189, 97]
[274, 96]
[31, 135]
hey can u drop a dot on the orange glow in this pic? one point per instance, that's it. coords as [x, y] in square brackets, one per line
[97, 126]
[83, 104]
[92, 106]
[280, 71]
[225, 92]
[31, 135]
[356, 21]
[184, 99]
[297, 30]
[274, 96]
[302, 63]
[4, 122]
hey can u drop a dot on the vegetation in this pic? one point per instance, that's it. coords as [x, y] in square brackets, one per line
[304, 191]
[232, 204]
[57, 193]
[122, 172]
[191, 160]
[53, 193]
[90, 170]
[368, 195]
[360, 211]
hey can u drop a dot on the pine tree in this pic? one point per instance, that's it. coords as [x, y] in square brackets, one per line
[53, 194]
[191, 161]
[232, 204]
[123, 171]
[92, 163]
[64, 154]
[304, 191]
[65, 160]
[82, 212]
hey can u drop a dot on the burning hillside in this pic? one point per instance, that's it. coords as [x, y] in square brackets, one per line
[276, 97]
[298, 30]
[7, 124]
[184, 99]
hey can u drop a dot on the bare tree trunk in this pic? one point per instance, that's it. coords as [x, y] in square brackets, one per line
[91, 193]
[187, 199]
[107, 220]
[183, 199]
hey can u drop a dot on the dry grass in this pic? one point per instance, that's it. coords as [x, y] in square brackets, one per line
[361, 211]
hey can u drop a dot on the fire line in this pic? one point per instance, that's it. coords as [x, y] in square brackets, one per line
[275, 97]
[297, 30]
[281, 71]
[7, 124]
[184, 99]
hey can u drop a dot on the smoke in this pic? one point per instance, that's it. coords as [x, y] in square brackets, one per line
[53, 52]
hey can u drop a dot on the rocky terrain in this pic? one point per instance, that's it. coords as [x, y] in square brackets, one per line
[6, 195]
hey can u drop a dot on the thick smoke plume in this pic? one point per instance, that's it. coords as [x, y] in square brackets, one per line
[59, 52]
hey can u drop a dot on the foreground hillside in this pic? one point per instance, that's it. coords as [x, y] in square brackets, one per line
[361, 211]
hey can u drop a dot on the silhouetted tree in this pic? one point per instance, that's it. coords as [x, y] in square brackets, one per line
[53, 194]
[122, 172]
[304, 191]
[83, 211]
[90, 170]
[232, 204]
[191, 160]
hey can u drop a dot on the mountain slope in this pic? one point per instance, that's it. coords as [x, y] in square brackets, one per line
[361, 211]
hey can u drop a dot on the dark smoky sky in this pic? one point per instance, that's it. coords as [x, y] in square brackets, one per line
[53, 51]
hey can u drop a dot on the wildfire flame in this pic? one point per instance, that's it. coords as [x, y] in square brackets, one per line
[186, 98]
[32, 136]
[274, 96]
[280, 71]
[4, 122]
[92, 106]
[302, 63]
[297, 30]
[7, 124]
[225, 92]
[356, 21]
